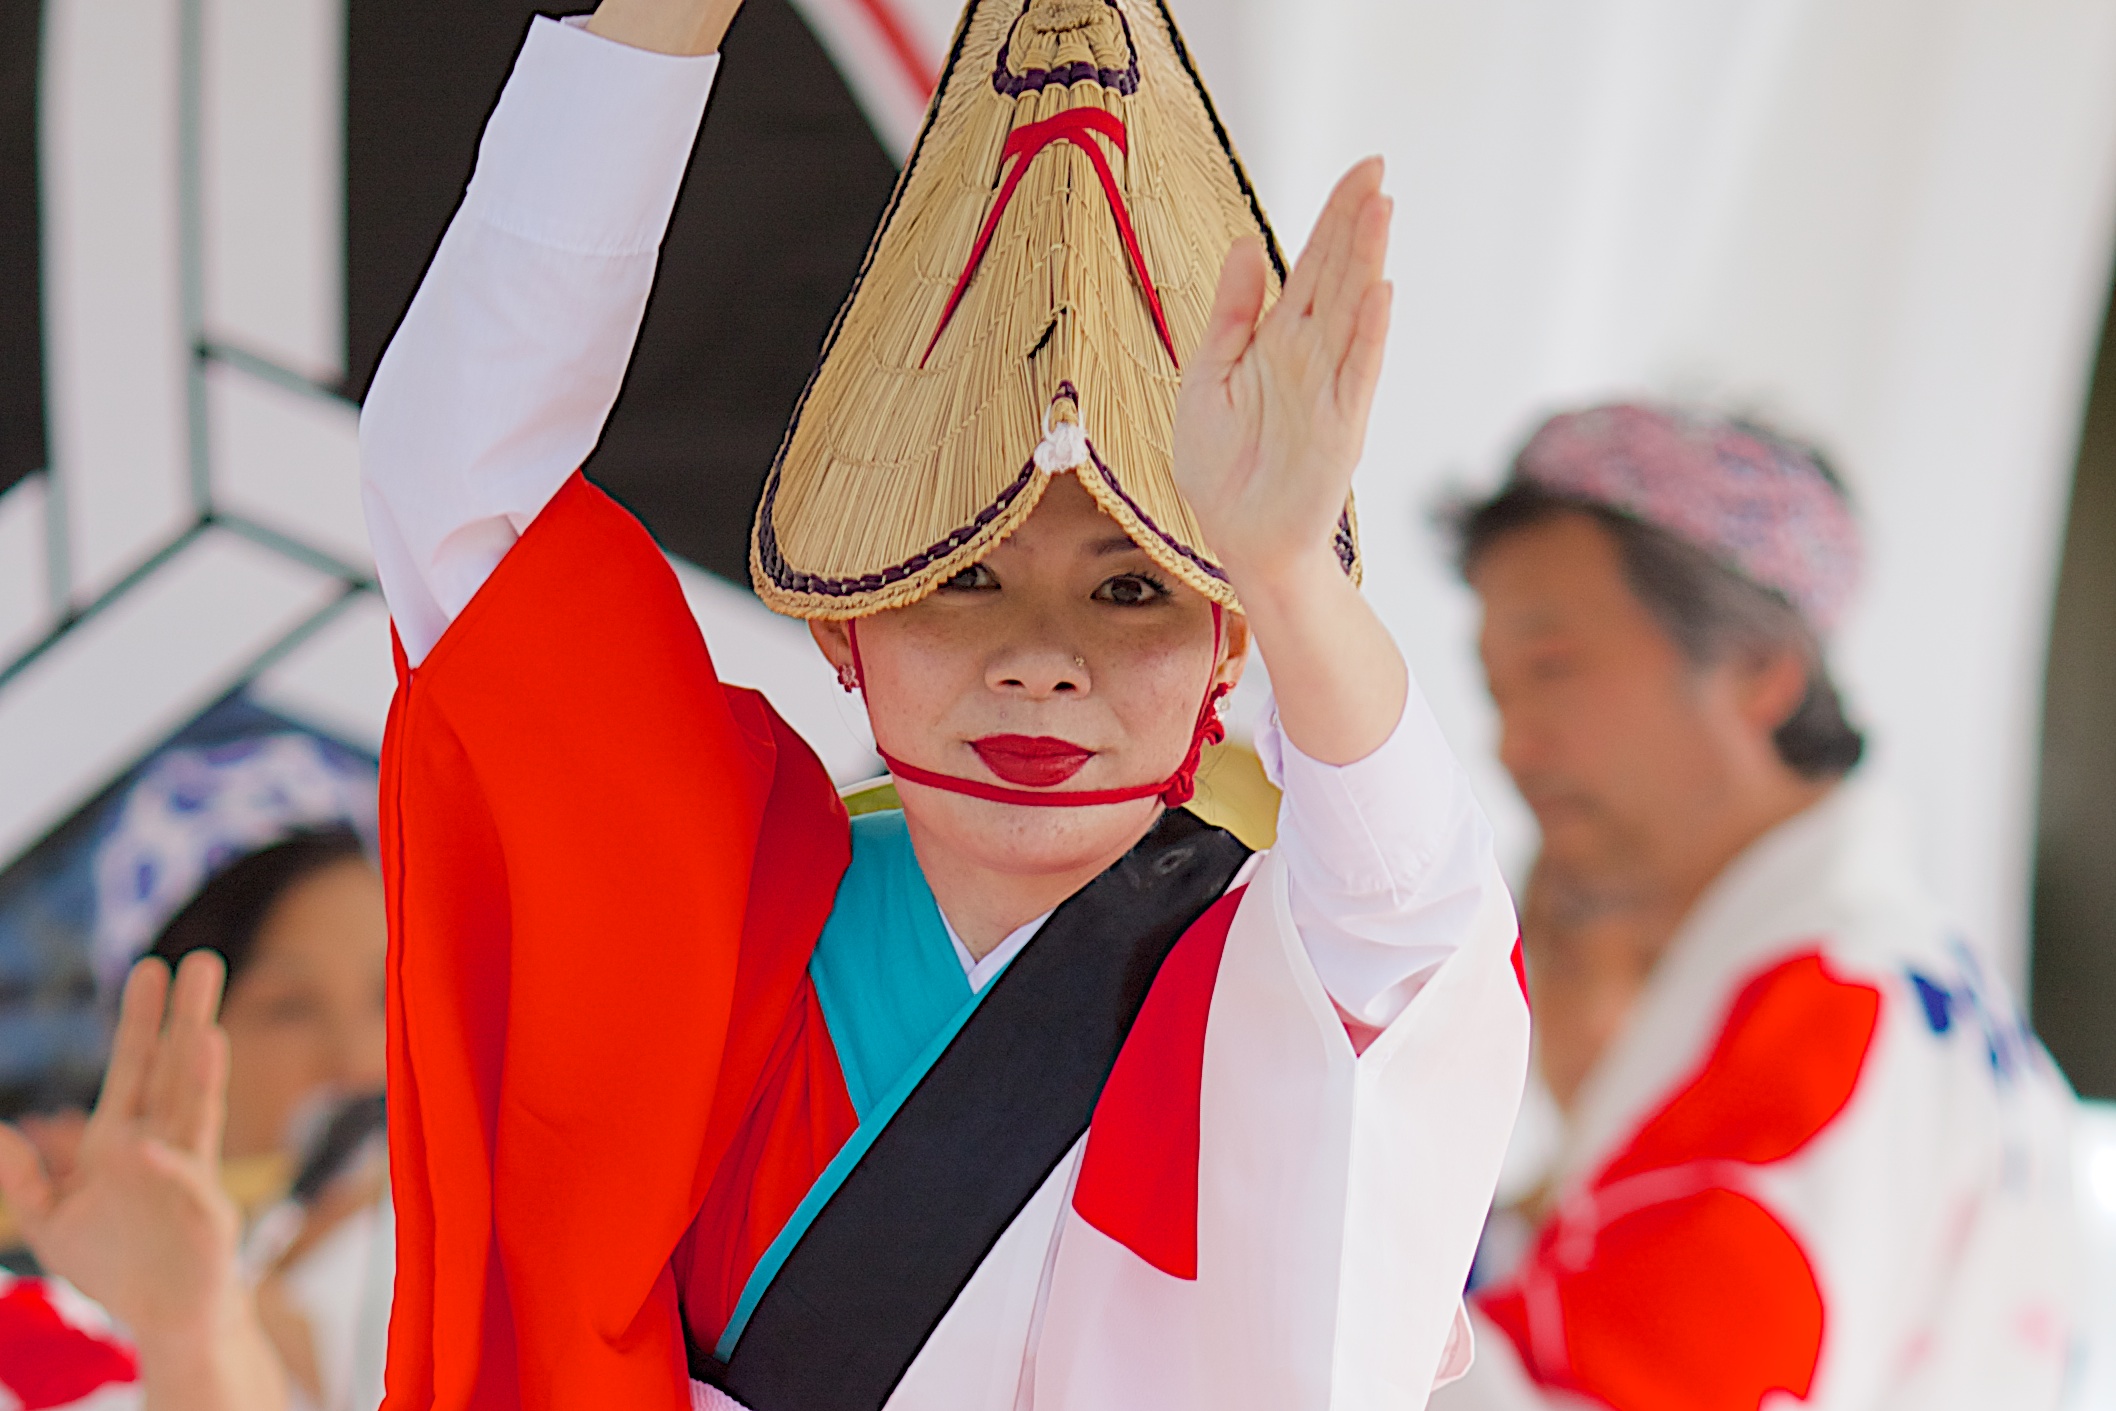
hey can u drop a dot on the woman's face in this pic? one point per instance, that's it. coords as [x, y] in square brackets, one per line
[304, 1018]
[1068, 659]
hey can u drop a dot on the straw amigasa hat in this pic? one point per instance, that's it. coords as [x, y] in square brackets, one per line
[1046, 266]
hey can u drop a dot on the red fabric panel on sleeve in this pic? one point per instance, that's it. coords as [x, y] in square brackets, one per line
[1665, 1286]
[1703, 1303]
[1785, 1064]
[591, 849]
[46, 1361]
[1139, 1175]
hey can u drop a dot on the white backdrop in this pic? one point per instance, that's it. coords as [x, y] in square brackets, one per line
[1884, 223]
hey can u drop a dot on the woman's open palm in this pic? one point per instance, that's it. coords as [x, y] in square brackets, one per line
[141, 1225]
[1272, 416]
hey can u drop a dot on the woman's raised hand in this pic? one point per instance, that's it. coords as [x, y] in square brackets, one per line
[142, 1225]
[665, 26]
[1273, 411]
[1269, 427]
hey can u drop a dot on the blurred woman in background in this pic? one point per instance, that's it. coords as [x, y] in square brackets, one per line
[239, 1247]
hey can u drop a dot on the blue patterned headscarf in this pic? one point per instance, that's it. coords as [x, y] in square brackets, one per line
[194, 812]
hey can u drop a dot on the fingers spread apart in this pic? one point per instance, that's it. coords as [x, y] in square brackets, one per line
[185, 1093]
[132, 1047]
[24, 1183]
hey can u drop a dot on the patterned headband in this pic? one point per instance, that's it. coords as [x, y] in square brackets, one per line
[195, 812]
[1763, 507]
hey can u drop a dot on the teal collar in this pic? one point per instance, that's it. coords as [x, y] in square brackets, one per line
[885, 971]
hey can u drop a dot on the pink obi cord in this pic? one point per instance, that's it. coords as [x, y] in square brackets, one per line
[1174, 791]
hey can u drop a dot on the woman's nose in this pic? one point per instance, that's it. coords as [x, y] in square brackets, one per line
[1039, 672]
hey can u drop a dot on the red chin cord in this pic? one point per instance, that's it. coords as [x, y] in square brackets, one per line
[1175, 791]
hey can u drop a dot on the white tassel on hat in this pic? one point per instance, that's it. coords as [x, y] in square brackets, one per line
[1063, 447]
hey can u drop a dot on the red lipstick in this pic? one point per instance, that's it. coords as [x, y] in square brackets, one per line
[1032, 761]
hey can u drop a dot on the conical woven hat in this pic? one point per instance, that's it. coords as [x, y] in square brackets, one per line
[1046, 266]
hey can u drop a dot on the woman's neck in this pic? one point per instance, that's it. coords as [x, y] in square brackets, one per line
[986, 904]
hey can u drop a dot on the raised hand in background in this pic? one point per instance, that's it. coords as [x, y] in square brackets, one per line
[141, 1223]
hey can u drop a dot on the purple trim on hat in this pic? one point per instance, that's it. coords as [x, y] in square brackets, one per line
[1007, 84]
[1341, 541]
[783, 575]
[1205, 565]
[792, 580]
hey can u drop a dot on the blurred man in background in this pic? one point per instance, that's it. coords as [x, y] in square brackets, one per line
[1808, 1145]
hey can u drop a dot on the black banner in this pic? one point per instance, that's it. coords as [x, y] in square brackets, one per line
[22, 441]
[783, 194]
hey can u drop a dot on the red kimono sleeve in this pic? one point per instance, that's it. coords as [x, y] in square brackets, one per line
[605, 872]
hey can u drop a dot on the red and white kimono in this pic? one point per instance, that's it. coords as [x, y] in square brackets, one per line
[1825, 1164]
[684, 1071]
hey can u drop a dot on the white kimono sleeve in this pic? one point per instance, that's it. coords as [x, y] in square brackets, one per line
[1340, 1194]
[496, 385]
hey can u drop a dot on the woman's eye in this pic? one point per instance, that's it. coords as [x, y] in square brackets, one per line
[974, 579]
[1131, 590]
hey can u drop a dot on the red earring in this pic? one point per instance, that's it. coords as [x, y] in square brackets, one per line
[848, 678]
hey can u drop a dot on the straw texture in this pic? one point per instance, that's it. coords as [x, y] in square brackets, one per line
[1048, 260]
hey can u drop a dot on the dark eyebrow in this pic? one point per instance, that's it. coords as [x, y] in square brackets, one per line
[1115, 544]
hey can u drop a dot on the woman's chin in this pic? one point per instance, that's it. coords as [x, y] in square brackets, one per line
[1018, 838]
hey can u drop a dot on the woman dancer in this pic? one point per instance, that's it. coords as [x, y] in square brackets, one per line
[1039, 1091]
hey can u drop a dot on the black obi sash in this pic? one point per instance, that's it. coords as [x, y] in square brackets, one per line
[884, 1260]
